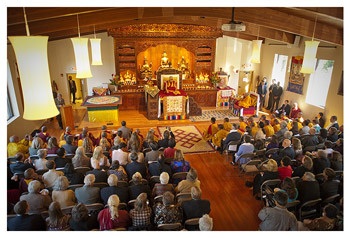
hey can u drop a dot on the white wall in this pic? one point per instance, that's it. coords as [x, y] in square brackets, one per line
[62, 61]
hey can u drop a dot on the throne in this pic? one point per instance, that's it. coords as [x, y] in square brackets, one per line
[172, 99]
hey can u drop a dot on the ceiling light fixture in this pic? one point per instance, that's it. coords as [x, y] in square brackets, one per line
[81, 53]
[256, 49]
[33, 67]
[309, 60]
[95, 50]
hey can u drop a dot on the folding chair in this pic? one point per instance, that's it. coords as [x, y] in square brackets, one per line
[309, 148]
[331, 199]
[177, 177]
[192, 224]
[180, 197]
[231, 148]
[271, 152]
[170, 227]
[74, 186]
[94, 208]
[292, 206]
[271, 183]
[250, 168]
[309, 209]
[100, 185]
[82, 169]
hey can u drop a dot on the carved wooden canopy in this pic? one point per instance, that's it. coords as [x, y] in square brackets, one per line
[165, 31]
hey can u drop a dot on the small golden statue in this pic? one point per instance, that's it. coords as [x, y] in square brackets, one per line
[165, 63]
[146, 68]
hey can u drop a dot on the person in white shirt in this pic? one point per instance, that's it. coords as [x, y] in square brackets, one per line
[121, 154]
[40, 163]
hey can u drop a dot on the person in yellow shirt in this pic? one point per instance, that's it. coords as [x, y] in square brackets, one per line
[269, 131]
[242, 125]
[227, 124]
[212, 129]
[219, 136]
[15, 145]
[276, 125]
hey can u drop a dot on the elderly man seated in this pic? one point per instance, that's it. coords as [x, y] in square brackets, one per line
[15, 145]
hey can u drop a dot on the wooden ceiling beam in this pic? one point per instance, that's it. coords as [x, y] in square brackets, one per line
[275, 19]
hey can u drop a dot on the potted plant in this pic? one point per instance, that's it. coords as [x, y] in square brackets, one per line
[114, 84]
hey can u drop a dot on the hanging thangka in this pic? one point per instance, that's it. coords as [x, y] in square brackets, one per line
[296, 79]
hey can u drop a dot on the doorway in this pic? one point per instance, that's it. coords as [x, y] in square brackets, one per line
[79, 95]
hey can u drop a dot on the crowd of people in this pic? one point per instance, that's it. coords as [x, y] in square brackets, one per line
[42, 167]
[121, 167]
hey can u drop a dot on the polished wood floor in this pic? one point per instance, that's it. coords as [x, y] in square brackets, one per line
[233, 208]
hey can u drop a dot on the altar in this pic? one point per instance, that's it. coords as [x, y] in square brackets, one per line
[102, 108]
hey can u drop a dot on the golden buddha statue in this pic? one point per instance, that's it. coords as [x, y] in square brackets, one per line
[146, 68]
[165, 63]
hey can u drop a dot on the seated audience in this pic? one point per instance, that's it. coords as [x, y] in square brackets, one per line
[311, 139]
[179, 164]
[244, 148]
[196, 207]
[81, 220]
[138, 187]
[339, 146]
[330, 185]
[113, 188]
[308, 188]
[29, 175]
[212, 129]
[43, 134]
[80, 159]
[270, 171]
[61, 194]
[336, 161]
[273, 143]
[227, 124]
[57, 221]
[162, 165]
[15, 146]
[205, 223]
[170, 150]
[111, 217]
[37, 144]
[191, 180]
[119, 171]
[100, 174]
[333, 122]
[298, 148]
[332, 134]
[50, 176]
[163, 186]
[152, 156]
[305, 129]
[141, 214]
[104, 142]
[320, 160]
[21, 164]
[150, 138]
[260, 134]
[288, 186]
[40, 164]
[38, 201]
[280, 133]
[167, 212]
[167, 134]
[134, 142]
[135, 166]
[233, 135]
[70, 146]
[100, 157]
[285, 170]
[306, 166]
[87, 143]
[73, 176]
[52, 145]
[295, 111]
[326, 222]
[287, 150]
[121, 154]
[25, 222]
[278, 218]
[218, 137]
[140, 155]
[316, 125]
[126, 131]
[88, 194]
[61, 159]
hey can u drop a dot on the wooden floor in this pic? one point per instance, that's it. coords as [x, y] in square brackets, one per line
[233, 208]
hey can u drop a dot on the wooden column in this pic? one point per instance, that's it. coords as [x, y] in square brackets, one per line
[152, 107]
[67, 116]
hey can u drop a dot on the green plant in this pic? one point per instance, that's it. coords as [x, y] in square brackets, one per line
[114, 80]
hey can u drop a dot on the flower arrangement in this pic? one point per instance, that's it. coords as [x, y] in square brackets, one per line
[114, 80]
[214, 78]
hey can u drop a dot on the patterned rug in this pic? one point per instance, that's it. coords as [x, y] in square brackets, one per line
[188, 139]
[218, 114]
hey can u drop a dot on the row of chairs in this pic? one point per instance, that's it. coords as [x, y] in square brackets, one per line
[310, 209]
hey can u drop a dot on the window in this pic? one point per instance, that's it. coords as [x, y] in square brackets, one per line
[12, 108]
[319, 82]
[279, 68]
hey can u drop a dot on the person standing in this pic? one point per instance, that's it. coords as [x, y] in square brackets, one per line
[72, 88]
[262, 90]
[276, 96]
[272, 86]
[59, 101]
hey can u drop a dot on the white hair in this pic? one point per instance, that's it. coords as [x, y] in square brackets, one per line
[205, 223]
[164, 178]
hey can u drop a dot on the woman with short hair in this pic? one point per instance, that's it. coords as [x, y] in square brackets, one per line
[141, 213]
[167, 212]
[61, 194]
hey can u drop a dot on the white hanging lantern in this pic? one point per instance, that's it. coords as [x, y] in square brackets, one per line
[81, 57]
[33, 67]
[309, 60]
[96, 51]
[256, 51]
